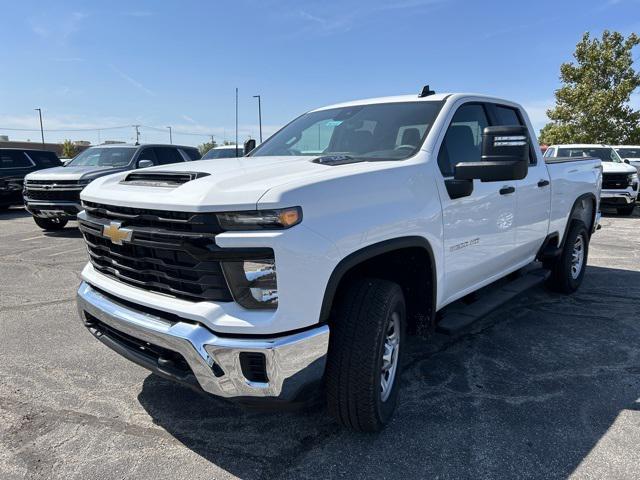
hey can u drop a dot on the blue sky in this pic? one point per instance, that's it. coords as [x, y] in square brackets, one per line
[159, 63]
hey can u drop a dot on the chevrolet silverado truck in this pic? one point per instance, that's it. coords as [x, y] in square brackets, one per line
[52, 196]
[15, 164]
[619, 179]
[301, 268]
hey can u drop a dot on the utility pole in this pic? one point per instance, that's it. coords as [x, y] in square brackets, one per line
[41, 129]
[259, 114]
[137, 127]
[236, 121]
[170, 137]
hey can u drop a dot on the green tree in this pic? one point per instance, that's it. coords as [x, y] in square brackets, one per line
[592, 105]
[68, 149]
[206, 146]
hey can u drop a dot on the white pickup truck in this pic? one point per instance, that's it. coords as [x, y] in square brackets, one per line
[301, 267]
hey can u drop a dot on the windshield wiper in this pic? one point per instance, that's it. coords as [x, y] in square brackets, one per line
[337, 159]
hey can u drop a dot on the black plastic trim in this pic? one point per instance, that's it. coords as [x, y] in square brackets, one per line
[367, 253]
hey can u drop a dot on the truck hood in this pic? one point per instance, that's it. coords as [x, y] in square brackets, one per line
[72, 173]
[615, 167]
[231, 184]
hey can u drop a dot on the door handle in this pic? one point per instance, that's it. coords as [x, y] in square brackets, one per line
[543, 183]
[507, 190]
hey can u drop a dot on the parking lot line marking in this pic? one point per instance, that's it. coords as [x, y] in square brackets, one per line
[31, 238]
[67, 251]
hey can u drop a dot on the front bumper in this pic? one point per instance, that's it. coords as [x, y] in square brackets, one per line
[292, 362]
[55, 209]
[618, 197]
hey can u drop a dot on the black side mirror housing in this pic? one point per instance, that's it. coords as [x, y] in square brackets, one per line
[249, 145]
[505, 156]
[626, 160]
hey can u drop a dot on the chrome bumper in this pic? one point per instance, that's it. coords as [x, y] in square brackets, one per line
[292, 361]
[617, 196]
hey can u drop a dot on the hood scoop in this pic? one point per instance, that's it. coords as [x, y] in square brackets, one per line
[334, 160]
[161, 179]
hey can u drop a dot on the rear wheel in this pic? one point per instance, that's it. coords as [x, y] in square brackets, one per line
[50, 224]
[626, 210]
[365, 354]
[568, 270]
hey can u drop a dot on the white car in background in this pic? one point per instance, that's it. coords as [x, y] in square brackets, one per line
[619, 180]
[224, 151]
[630, 153]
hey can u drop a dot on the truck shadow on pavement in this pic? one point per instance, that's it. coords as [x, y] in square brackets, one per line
[13, 213]
[533, 390]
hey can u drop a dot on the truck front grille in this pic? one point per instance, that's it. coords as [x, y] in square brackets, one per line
[47, 190]
[615, 181]
[169, 252]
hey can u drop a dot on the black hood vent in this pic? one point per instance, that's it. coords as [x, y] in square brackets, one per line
[334, 160]
[161, 179]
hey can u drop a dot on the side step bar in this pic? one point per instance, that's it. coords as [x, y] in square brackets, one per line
[462, 313]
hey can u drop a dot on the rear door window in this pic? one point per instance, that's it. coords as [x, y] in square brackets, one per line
[192, 153]
[505, 116]
[44, 159]
[168, 155]
[14, 159]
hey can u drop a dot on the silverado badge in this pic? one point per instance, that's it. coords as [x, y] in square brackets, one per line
[116, 234]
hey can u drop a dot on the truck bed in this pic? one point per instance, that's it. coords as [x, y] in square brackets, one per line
[571, 177]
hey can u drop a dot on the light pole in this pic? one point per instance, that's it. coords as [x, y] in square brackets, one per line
[170, 137]
[259, 114]
[41, 129]
[236, 121]
[137, 127]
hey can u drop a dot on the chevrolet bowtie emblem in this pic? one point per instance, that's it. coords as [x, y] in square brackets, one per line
[116, 234]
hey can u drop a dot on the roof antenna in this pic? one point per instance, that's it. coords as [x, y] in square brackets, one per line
[426, 91]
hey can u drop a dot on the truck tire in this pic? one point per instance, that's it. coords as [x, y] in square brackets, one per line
[365, 355]
[568, 270]
[50, 224]
[626, 210]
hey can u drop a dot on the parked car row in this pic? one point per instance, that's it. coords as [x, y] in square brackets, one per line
[619, 177]
[50, 188]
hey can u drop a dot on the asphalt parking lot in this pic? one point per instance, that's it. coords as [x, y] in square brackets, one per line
[546, 387]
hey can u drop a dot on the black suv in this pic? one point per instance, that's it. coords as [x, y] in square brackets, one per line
[53, 196]
[15, 163]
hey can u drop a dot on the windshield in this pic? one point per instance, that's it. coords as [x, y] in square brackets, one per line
[103, 157]
[385, 131]
[223, 153]
[606, 154]
[628, 152]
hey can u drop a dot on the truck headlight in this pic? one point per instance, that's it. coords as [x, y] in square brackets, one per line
[261, 219]
[632, 178]
[253, 283]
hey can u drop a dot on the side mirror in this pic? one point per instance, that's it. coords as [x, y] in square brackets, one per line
[626, 160]
[505, 156]
[145, 163]
[249, 145]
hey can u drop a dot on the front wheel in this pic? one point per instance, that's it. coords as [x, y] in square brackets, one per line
[365, 354]
[568, 270]
[626, 210]
[50, 224]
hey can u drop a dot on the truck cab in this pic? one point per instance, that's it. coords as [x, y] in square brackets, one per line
[303, 266]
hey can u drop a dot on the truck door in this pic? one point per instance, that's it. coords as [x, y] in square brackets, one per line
[533, 193]
[479, 229]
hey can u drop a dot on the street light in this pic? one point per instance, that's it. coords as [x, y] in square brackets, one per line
[259, 114]
[170, 137]
[41, 129]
